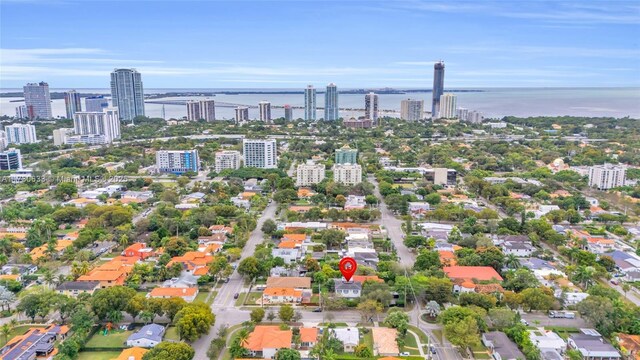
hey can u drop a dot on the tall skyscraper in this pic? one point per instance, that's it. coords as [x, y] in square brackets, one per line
[37, 100]
[208, 109]
[177, 161]
[438, 87]
[127, 93]
[193, 110]
[265, 111]
[371, 106]
[242, 114]
[21, 134]
[260, 153]
[105, 123]
[72, 103]
[448, 105]
[310, 103]
[288, 113]
[10, 159]
[95, 103]
[331, 103]
[412, 110]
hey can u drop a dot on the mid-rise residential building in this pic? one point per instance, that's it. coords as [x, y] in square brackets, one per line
[348, 174]
[87, 139]
[105, 123]
[208, 109]
[448, 106]
[21, 134]
[309, 174]
[95, 103]
[227, 159]
[310, 103]
[60, 136]
[21, 112]
[260, 153]
[607, 176]
[37, 100]
[127, 93]
[3, 140]
[358, 123]
[193, 110]
[177, 161]
[331, 103]
[72, 103]
[346, 155]
[438, 87]
[288, 113]
[475, 117]
[463, 114]
[10, 159]
[242, 114]
[371, 106]
[264, 108]
[412, 110]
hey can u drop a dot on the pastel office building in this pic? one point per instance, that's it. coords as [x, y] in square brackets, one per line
[127, 93]
[105, 123]
[37, 100]
[21, 134]
[177, 161]
[227, 159]
[72, 103]
[10, 159]
[607, 176]
[348, 174]
[260, 153]
[309, 174]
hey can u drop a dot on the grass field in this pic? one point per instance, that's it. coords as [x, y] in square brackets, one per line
[18, 330]
[367, 339]
[172, 334]
[98, 355]
[410, 345]
[202, 296]
[480, 352]
[115, 339]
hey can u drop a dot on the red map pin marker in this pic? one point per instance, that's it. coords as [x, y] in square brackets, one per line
[348, 267]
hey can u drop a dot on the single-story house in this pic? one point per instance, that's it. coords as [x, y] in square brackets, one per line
[349, 336]
[148, 336]
[501, 347]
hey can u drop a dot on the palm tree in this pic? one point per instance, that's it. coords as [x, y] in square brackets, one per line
[625, 288]
[584, 275]
[48, 277]
[6, 331]
[512, 261]
[124, 240]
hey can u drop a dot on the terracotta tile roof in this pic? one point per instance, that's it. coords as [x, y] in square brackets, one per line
[481, 273]
[103, 275]
[282, 291]
[300, 208]
[447, 258]
[192, 260]
[294, 237]
[309, 335]
[201, 271]
[363, 278]
[10, 277]
[135, 247]
[173, 292]
[288, 244]
[134, 353]
[268, 337]
[631, 343]
[291, 282]
[489, 288]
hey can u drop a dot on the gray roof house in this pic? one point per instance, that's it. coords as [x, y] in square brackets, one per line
[148, 336]
[501, 347]
[347, 289]
[592, 346]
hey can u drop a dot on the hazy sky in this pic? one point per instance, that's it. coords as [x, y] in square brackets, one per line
[284, 44]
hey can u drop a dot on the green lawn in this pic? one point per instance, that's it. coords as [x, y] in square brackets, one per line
[115, 339]
[367, 339]
[410, 345]
[202, 296]
[172, 334]
[18, 330]
[98, 355]
[423, 337]
[480, 352]
[240, 299]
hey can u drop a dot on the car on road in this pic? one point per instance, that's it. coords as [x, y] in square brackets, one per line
[614, 282]
[405, 353]
[226, 280]
[317, 310]
[433, 349]
[236, 295]
[524, 322]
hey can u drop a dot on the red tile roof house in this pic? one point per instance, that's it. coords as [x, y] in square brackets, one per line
[465, 278]
[308, 337]
[265, 341]
[138, 250]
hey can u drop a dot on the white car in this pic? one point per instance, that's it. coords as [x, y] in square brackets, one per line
[405, 353]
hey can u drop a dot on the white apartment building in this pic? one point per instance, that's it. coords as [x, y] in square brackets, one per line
[348, 174]
[3, 140]
[242, 114]
[21, 134]
[607, 176]
[227, 159]
[105, 123]
[265, 111]
[177, 161]
[193, 111]
[260, 153]
[60, 136]
[448, 105]
[309, 174]
[412, 110]
[203, 109]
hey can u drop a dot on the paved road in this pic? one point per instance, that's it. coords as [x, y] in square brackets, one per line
[223, 305]
[543, 319]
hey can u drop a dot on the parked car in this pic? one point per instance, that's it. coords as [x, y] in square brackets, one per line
[236, 295]
[317, 310]
[405, 353]
[524, 322]
[614, 282]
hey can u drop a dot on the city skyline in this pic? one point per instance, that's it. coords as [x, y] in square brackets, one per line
[575, 44]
